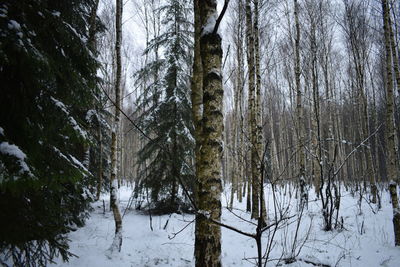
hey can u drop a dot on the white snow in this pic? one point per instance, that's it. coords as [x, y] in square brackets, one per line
[143, 247]
[210, 24]
[78, 163]
[72, 121]
[90, 114]
[13, 25]
[216, 72]
[56, 13]
[77, 128]
[61, 154]
[83, 39]
[14, 151]
[4, 9]
[71, 159]
[59, 104]
[1, 131]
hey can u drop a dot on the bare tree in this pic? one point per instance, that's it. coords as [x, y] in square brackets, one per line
[299, 110]
[391, 164]
[117, 242]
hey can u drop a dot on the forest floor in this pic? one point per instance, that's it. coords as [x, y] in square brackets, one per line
[366, 238]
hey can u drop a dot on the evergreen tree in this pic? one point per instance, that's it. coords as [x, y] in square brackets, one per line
[48, 78]
[168, 156]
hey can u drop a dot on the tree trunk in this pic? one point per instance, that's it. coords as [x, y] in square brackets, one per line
[397, 75]
[252, 112]
[315, 118]
[197, 85]
[100, 178]
[396, 67]
[390, 130]
[299, 111]
[117, 243]
[258, 111]
[208, 235]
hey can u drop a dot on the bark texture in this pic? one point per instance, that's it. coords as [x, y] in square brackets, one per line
[117, 243]
[197, 80]
[258, 145]
[208, 235]
[394, 48]
[390, 129]
[299, 110]
[252, 112]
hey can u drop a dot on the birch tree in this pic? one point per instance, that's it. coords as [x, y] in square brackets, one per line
[252, 129]
[299, 108]
[117, 242]
[391, 164]
[209, 186]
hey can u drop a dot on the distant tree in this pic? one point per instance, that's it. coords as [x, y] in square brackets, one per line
[299, 110]
[358, 39]
[167, 117]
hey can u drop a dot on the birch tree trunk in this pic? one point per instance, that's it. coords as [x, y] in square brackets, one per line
[197, 85]
[299, 110]
[258, 111]
[117, 242]
[315, 118]
[252, 112]
[397, 75]
[237, 123]
[208, 235]
[239, 103]
[396, 67]
[390, 129]
[100, 178]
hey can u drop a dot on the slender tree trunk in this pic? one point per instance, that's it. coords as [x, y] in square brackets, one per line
[316, 115]
[275, 170]
[252, 112]
[258, 110]
[390, 130]
[367, 150]
[299, 111]
[92, 26]
[236, 116]
[397, 75]
[117, 243]
[395, 57]
[100, 177]
[197, 84]
[239, 107]
[248, 200]
[197, 102]
[208, 235]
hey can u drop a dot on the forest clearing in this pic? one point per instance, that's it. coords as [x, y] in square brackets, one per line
[364, 240]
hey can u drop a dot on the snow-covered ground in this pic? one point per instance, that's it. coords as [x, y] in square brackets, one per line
[366, 240]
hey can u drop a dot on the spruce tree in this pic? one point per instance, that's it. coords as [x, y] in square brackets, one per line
[48, 78]
[168, 156]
